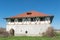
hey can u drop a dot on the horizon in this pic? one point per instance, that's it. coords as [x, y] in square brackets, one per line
[14, 7]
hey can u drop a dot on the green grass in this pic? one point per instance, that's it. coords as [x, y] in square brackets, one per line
[31, 38]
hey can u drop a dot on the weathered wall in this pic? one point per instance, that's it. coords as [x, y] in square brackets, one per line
[32, 29]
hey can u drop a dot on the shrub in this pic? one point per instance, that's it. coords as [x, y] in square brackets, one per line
[50, 32]
[3, 33]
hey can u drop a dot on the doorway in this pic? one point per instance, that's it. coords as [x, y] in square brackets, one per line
[12, 32]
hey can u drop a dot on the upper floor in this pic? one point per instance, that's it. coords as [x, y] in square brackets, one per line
[29, 18]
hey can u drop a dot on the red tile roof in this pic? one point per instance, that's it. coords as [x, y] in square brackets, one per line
[30, 14]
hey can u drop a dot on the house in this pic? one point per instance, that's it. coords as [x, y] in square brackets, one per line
[28, 24]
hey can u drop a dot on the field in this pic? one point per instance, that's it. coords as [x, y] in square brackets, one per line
[29, 38]
[57, 37]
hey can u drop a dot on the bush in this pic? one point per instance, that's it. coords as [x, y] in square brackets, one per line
[50, 32]
[3, 33]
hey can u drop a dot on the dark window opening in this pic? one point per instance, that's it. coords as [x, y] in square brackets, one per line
[19, 20]
[42, 19]
[12, 20]
[26, 32]
[32, 19]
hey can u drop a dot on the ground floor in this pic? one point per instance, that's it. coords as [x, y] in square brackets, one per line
[27, 30]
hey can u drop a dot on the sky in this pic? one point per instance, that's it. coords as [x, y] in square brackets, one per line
[13, 7]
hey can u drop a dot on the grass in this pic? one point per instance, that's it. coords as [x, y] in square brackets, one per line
[30, 38]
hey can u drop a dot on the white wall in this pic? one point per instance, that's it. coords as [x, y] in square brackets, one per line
[33, 29]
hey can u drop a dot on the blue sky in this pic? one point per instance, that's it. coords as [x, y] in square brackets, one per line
[13, 7]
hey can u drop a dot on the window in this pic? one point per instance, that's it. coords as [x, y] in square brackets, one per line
[37, 19]
[19, 20]
[42, 19]
[32, 19]
[12, 20]
[47, 18]
[24, 19]
[16, 20]
[28, 19]
[26, 32]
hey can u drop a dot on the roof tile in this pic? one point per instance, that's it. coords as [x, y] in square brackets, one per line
[30, 14]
